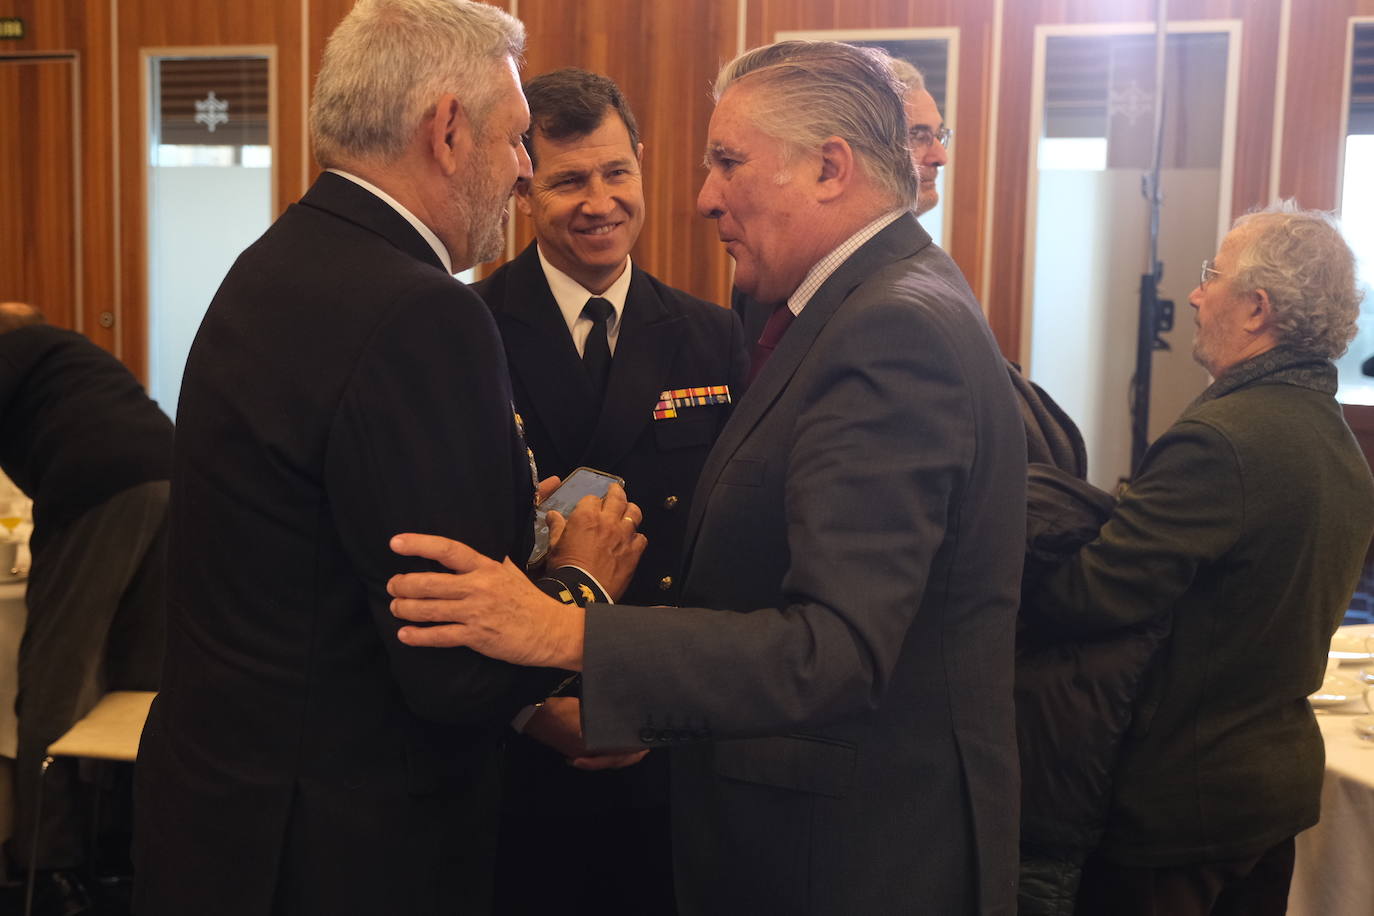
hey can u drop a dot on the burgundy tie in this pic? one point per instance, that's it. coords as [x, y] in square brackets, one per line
[773, 330]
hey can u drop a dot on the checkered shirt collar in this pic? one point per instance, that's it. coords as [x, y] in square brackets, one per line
[822, 269]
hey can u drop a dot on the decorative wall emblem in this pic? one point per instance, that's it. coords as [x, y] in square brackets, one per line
[212, 112]
[1130, 103]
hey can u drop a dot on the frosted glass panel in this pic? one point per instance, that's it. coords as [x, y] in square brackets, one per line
[1357, 213]
[1357, 221]
[209, 195]
[1092, 226]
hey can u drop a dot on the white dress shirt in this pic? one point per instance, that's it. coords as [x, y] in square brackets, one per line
[572, 297]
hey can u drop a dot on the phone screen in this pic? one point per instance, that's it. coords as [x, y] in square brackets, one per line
[581, 482]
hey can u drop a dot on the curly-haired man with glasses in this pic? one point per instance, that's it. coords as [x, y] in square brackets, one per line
[1247, 524]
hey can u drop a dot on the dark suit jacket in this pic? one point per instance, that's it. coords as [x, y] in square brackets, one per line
[342, 388]
[854, 557]
[668, 340]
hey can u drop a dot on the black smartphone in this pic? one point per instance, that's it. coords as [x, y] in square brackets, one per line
[581, 482]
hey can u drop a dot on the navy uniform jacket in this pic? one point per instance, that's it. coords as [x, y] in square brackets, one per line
[668, 340]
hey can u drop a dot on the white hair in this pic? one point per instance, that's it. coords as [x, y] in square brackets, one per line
[911, 78]
[817, 89]
[389, 60]
[1301, 260]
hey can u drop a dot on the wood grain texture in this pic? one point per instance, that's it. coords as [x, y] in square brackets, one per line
[1317, 80]
[974, 19]
[82, 30]
[39, 212]
[664, 56]
[1254, 125]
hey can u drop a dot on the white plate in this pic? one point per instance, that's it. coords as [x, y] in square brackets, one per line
[1336, 690]
[1349, 643]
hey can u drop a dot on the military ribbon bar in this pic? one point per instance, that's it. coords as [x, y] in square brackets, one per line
[672, 400]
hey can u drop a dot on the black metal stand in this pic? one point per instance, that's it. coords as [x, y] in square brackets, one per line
[1153, 317]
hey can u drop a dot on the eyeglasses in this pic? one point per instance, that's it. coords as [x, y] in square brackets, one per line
[923, 137]
[1208, 271]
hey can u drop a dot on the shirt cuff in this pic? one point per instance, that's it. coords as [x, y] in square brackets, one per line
[574, 585]
[602, 596]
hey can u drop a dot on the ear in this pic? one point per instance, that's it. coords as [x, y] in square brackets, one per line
[1260, 316]
[837, 169]
[449, 134]
[522, 196]
[639, 153]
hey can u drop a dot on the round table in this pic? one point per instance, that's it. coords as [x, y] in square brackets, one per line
[1332, 874]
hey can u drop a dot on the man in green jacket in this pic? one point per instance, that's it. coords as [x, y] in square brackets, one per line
[1248, 523]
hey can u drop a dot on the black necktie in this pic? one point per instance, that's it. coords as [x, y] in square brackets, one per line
[596, 353]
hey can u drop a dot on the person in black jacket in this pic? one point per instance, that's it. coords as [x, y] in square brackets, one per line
[79, 436]
[342, 387]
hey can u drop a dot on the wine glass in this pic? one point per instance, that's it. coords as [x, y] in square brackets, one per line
[1364, 725]
[11, 514]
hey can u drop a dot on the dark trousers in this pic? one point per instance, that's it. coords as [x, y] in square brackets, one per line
[96, 623]
[1254, 886]
[579, 843]
[614, 864]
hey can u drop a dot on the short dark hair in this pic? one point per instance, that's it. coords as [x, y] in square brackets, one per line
[571, 103]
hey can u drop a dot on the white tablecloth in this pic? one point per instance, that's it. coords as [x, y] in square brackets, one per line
[12, 616]
[1334, 871]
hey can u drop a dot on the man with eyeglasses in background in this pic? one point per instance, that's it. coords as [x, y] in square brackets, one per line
[926, 133]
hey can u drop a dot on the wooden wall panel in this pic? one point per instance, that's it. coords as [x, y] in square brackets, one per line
[155, 24]
[665, 57]
[1259, 51]
[1312, 116]
[81, 28]
[974, 19]
[39, 212]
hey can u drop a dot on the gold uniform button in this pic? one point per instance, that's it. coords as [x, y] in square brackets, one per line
[670, 502]
[665, 583]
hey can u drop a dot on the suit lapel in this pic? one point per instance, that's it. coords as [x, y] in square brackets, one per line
[900, 239]
[644, 354]
[542, 357]
[347, 200]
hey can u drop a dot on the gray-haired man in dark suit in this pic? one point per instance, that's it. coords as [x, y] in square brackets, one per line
[838, 687]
